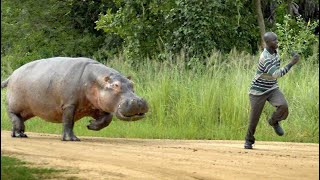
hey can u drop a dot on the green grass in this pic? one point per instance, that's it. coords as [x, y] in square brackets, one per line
[15, 169]
[205, 102]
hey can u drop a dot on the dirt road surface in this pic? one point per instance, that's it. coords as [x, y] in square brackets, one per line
[119, 158]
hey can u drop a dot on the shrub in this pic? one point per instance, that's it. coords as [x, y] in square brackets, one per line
[297, 35]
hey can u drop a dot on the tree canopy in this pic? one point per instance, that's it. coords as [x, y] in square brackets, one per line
[146, 28]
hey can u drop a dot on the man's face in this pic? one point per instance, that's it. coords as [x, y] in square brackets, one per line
[272, 42]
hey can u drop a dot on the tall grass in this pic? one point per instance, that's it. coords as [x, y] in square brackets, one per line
[205, 101]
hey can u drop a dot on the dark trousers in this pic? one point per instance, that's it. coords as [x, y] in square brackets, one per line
[276, 99]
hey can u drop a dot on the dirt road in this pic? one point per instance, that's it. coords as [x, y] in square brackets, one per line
[118, 158]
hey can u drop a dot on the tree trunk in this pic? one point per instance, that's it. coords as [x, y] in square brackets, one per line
[260, 19]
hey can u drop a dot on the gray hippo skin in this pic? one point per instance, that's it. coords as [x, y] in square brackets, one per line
[64, 90]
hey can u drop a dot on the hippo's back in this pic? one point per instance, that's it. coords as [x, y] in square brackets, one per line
[58, 65]
[42, 87]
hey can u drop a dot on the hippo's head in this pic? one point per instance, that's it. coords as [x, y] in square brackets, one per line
[115, 94]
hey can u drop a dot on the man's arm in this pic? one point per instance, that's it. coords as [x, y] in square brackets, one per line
[276, 72]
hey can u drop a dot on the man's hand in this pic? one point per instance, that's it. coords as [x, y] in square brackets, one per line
[295, 58]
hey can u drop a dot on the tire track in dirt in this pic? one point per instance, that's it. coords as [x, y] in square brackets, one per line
[120, 158]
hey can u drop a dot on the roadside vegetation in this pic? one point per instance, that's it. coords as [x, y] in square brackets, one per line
[15, 169]
[205, 102]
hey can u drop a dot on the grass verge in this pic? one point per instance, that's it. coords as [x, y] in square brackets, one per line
[15, 169]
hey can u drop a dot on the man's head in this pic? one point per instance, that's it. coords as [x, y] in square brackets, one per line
[271, 40]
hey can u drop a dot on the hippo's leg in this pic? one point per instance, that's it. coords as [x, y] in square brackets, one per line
[102, 120]
[17, 125]
[68, 123]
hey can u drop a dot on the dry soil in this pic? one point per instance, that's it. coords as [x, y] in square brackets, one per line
[120, 158]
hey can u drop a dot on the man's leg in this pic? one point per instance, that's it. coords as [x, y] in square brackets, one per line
[278, 100]
[257, 104]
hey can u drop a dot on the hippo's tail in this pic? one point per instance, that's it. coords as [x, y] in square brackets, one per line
[5, 83]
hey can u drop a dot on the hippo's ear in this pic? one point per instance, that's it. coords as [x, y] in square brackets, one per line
[103, 82]
[106, 79]
[129, 77]
[106, 83]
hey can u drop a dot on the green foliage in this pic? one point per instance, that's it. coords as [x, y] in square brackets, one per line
[150, 27]
[83, 14]
[280, 11]
[297, 35]
[201, 26]
[15, 169]
[139, 23]
[33, 30]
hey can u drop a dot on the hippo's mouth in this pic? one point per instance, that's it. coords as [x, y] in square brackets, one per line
[132, 109]
[131, 117]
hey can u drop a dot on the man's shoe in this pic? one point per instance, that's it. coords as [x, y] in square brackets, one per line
[248, 145]
[277, 128]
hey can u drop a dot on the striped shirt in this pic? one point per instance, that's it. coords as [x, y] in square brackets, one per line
[267, 73]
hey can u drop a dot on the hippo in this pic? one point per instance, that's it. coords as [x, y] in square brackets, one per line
[65, 89]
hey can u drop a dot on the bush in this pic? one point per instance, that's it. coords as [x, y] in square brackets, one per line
[32, 30]
[196, 27]
[297, 35]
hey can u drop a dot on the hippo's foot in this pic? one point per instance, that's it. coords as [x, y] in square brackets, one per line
[98, 124]
[93, 125]
[69, 137]
[18, 134]
[74, 138]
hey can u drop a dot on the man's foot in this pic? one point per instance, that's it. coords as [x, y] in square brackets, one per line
[277, 128]
[248, 145]
[20, 134]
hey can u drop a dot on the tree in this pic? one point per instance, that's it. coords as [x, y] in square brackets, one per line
[260, 20]
[149, 26]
